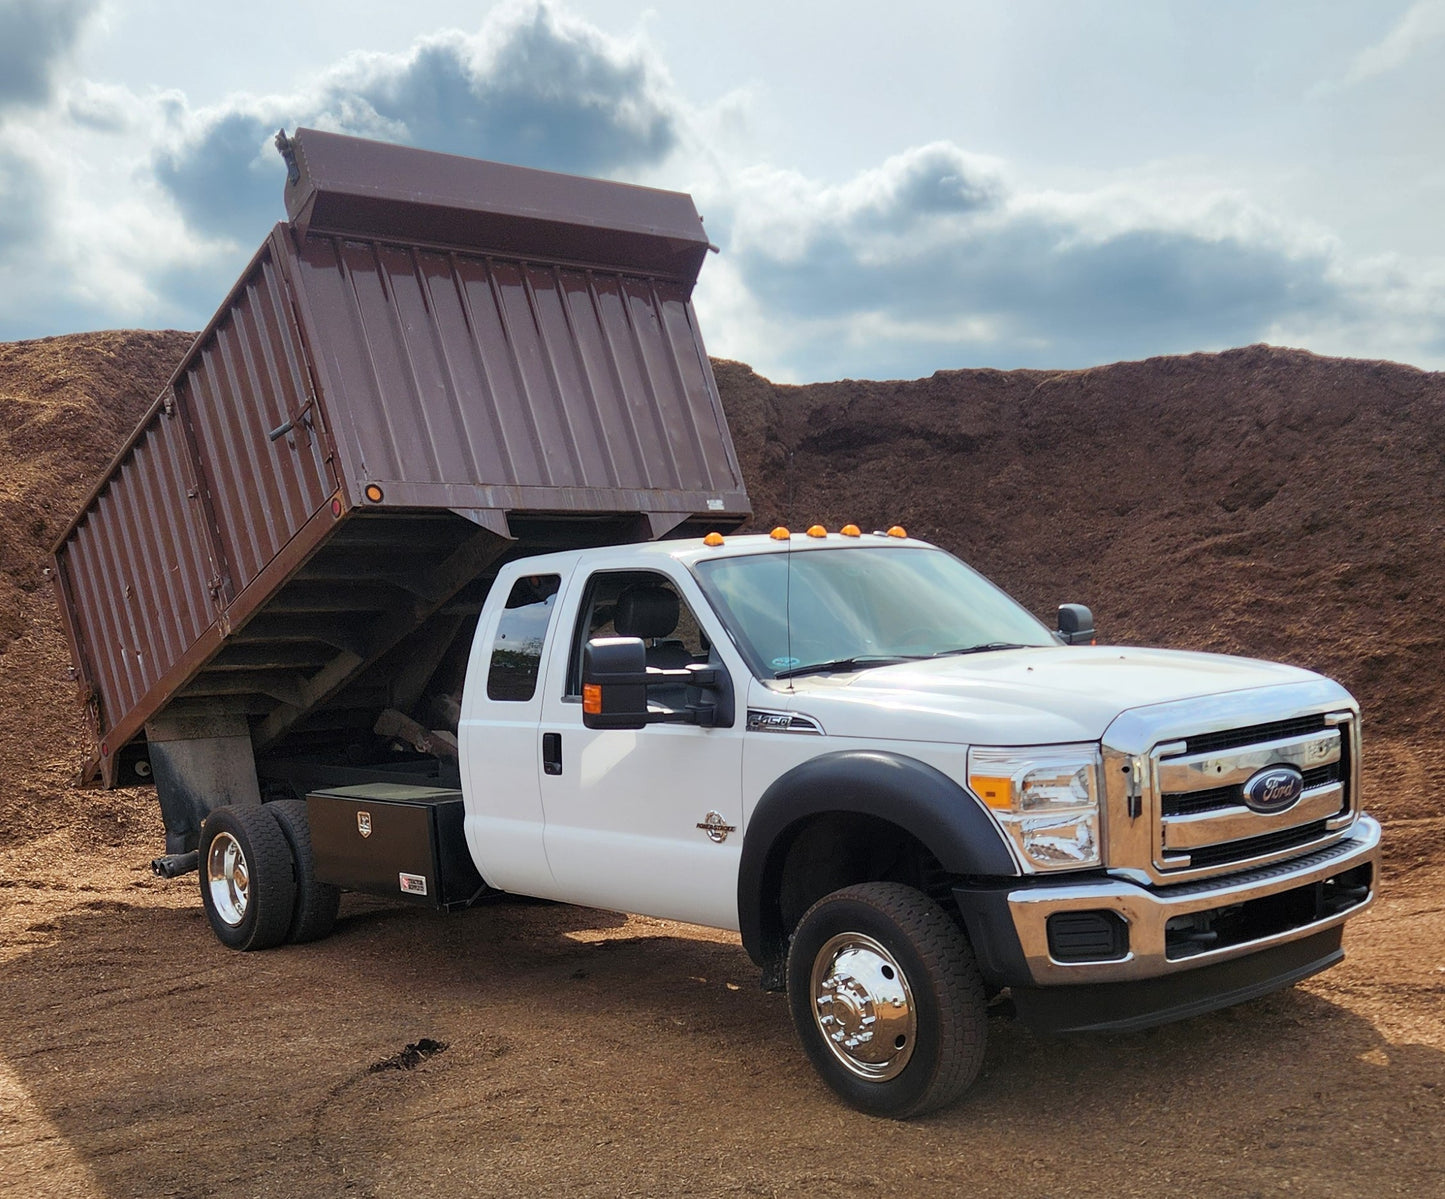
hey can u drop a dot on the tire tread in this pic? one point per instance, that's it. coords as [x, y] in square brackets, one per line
[314, 912]
[273, 886]
[958, 992]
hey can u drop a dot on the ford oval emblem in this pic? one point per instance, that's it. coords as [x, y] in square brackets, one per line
[1274, 789]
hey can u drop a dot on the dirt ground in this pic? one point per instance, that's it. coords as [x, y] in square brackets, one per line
[1260, 501]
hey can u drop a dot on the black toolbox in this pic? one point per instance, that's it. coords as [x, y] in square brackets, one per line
[392, 839]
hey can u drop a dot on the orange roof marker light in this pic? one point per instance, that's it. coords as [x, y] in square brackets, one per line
[373, 493]
[817, 531]
[851, 531]
[780, 534]
[713, 539]
[898, 531]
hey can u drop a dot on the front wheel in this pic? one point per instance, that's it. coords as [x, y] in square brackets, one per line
[887, 999]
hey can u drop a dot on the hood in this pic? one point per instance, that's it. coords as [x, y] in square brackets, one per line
[1034, 696]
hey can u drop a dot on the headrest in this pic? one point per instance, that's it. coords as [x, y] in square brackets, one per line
[646, 612]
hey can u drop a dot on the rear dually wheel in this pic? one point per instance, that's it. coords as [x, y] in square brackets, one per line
[247, 885]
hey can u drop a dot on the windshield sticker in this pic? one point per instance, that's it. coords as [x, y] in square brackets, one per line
[785, 663]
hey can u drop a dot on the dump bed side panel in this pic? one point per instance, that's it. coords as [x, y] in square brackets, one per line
[136, 575]
[463, 380]
[198, 507]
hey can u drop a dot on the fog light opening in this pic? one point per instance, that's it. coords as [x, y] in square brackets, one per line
[1089, 936]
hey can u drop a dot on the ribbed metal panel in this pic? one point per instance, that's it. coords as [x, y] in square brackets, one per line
[515, 384]
[244, 378]
[138, 566]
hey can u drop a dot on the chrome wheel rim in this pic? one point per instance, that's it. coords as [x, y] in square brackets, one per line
[228, 879]
[863, 1007]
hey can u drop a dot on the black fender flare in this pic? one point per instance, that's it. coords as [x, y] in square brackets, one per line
[918, 798]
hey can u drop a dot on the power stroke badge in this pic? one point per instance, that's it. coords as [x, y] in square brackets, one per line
[716, 828]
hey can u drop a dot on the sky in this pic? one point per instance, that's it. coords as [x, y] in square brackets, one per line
[894, 188]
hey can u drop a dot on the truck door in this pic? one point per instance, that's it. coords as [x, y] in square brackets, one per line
[501, 706]
[646, 821]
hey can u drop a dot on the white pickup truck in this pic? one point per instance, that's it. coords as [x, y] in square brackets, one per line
[904, 791]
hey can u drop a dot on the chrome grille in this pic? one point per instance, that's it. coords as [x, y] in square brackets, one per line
[1274, 730]
[1290, 838]
[1184, 803]
[1202, 820]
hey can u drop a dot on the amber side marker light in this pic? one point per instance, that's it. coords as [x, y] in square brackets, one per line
[898, 531]
[817, 531]
[851, 531]
[713, 539]
[373, 493]
[780, 534]
[592, 698]
[995, 792]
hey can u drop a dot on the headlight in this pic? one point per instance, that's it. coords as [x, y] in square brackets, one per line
[1046, 797]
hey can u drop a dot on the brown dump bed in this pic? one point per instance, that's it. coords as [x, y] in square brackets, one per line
[435, 365]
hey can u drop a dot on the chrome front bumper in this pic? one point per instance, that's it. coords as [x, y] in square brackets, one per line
[1147, 912]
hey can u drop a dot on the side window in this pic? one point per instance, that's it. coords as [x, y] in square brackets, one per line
[638, 603]
[521, 633]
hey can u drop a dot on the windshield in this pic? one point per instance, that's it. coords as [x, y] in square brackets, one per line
[854, 607]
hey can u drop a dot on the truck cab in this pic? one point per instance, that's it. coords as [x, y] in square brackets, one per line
[607, 818]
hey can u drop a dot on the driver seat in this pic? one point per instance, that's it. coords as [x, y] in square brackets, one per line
[650, 612]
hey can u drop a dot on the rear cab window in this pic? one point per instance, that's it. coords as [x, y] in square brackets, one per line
[521, 634]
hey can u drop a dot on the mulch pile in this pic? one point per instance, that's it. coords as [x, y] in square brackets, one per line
[1260, 501]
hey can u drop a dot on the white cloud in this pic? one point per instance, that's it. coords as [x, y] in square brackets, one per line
[1422, 24]
[937, 257]
[533, 86]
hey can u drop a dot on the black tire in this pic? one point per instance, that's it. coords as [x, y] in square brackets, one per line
[843, 959]
[249, 907]
[314, 914]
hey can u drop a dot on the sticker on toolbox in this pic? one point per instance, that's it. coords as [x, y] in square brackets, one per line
[413, 884]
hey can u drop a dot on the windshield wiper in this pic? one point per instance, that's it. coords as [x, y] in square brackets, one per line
[981, 649]
[861, 662]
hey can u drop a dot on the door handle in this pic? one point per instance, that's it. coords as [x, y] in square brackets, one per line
[552, 753]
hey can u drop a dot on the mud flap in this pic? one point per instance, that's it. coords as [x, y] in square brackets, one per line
[199, 764]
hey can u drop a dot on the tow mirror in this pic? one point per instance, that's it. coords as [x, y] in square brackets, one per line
[615, 679]
[614, 683]
[1076, 625]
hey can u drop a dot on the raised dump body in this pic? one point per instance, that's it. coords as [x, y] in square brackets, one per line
[436, 365]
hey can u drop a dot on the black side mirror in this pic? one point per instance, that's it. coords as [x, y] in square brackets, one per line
[1076, 625]
[614, 683]
[615, 679]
